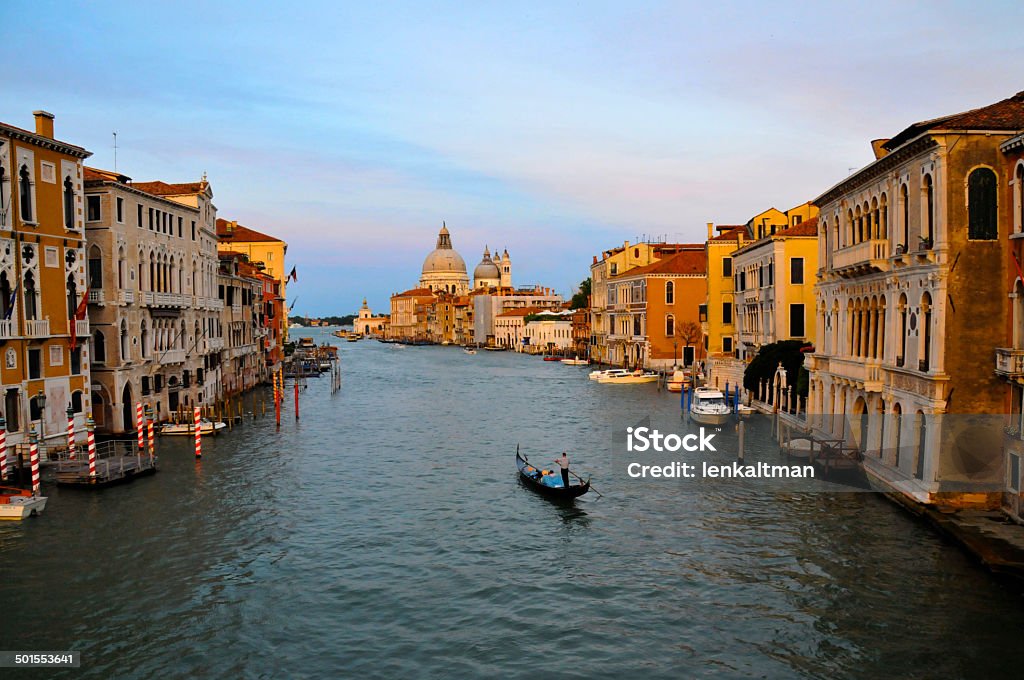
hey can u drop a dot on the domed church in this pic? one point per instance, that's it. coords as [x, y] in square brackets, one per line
[444, 270]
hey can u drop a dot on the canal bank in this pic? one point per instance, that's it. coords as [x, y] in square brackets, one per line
[386, 534]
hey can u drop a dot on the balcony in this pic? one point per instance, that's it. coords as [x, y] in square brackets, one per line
[173, 356]
[168, 300]
[147, 297]
[216, 344]
[867, 373]
[97, 297]
[1009, 362]
[37, 328]
[126, 297]
[81, 327]
[864, 258]
[8, 329]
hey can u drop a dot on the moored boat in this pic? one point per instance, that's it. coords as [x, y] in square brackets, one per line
[205, 427]
[575, 362]
[552, 358]
[708, 407]
[676, 382]
[629, 378]
[547, 482]
[597, 375]
[17, 504]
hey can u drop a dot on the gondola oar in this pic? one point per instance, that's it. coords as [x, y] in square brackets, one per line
[585, 481]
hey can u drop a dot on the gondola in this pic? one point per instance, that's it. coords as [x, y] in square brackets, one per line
[531, 477]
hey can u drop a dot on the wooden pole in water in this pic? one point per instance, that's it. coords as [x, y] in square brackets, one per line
[90, 441]
[199, 434]
[741, 445]
[139, 425]
[296, 400]
[71, 433]
[3, 449]
[33, 456]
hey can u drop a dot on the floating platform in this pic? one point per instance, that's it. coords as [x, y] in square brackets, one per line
[117, 462]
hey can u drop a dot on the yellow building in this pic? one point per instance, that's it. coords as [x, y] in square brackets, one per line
[42, 282]
[266, 252]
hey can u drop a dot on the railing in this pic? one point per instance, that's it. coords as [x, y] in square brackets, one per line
[97, 297]
[216, 343]
[1010, 362]
[867, 371]
[37, 328]
[126, 297]
[81, 327]
[146, 297]
[873, 252]
[8, 328]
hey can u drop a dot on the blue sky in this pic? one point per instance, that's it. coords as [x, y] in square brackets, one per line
[553, 129]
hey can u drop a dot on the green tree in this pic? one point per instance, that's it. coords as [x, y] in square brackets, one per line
[581, 299]
[764, 365]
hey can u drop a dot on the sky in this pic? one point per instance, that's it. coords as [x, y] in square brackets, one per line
[552, 129]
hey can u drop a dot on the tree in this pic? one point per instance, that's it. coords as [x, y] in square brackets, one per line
[690, 333]
[764, 365]
[581, 299]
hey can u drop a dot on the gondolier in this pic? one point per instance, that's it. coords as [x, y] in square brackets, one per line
[563, 462]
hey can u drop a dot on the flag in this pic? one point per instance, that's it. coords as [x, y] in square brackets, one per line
[78, 316]
[10, 303]
[293, 275]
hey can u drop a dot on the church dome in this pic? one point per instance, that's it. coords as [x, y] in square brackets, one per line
[486, 269]
[443, 258]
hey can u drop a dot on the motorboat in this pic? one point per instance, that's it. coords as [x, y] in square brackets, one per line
[708, 406]
[575, 362]
[469, 350]
[677, 381]
[552, 358]
[629, 378]
[597, 375]
[743, 410]
[181, 429]
[17, 504]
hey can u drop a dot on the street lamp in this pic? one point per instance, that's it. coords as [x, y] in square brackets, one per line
[675, 354]
[41, 400]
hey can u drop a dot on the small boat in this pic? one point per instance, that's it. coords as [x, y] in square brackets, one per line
[743, 410]
[708, 406]
[469, 350]
[494, 349]
[597, 375]
[548, 482]
[575, 362]
[629, 378]
[676, 382]
[205, 427]
[551, 358]
[17, 504]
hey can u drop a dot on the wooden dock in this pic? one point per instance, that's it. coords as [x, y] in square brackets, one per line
[117, 462]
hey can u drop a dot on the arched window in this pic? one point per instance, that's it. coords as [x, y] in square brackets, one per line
[72, 289]
[897, 426]
[858, 234]
[928, 231]
[926, 332]
[875, 219]
[125, 348]
[76, 401]
[981, 205]
[670, 326]
[95, 268]
[902, 307]
[922, 440]
[5, 297]
[25, 194]
[1018, 193]
[99, 347]
[69, 203]
[120, 268]
[670, 293]
[144, 339]
[905, 216]
[883, 217]
[31, 309]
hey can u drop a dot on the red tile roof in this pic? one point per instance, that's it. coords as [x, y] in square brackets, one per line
[524, 311]
[416, 292]
[95, 174]
[805, 228]
[730, 232]
[1007, 114]
[159, 188]
[686, 262]
[228, 231]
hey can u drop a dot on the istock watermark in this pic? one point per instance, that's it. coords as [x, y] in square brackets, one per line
[643, 439]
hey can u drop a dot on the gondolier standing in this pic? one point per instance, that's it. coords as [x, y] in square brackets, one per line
[563, 462]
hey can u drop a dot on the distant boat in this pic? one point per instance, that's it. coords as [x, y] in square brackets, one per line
[677, 381]
[469, 350]
[552, 358]
[708, 407]
[548, 482]
[17, 504]
[180, 429]
[633, 378]
[575, 362]
[597, 375]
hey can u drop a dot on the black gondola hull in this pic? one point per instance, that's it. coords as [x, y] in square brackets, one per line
[574, 490]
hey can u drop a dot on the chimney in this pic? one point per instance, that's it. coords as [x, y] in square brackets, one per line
[876, 146]
[739, 237]
[44, 123]
[711, 230]
[595, 259]
[231, 226]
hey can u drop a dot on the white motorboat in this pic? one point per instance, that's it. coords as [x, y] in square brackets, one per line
[17, 504]
[205, 427]
[676, 382]
[469, 350]
[597, 375]
[630, 378]
[708, 406]
[743, 410]
[575, 362]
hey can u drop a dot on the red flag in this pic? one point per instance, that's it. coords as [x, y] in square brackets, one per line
[294, 275]
[79, 315]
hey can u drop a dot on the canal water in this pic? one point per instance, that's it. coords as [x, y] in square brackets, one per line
[385, 534]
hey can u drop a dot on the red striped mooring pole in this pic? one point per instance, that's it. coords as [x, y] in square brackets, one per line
[199, 434]
[139, 425]
[33, 456]
[149, 431]
[91, 443]
[3, 448]
[71, 433]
